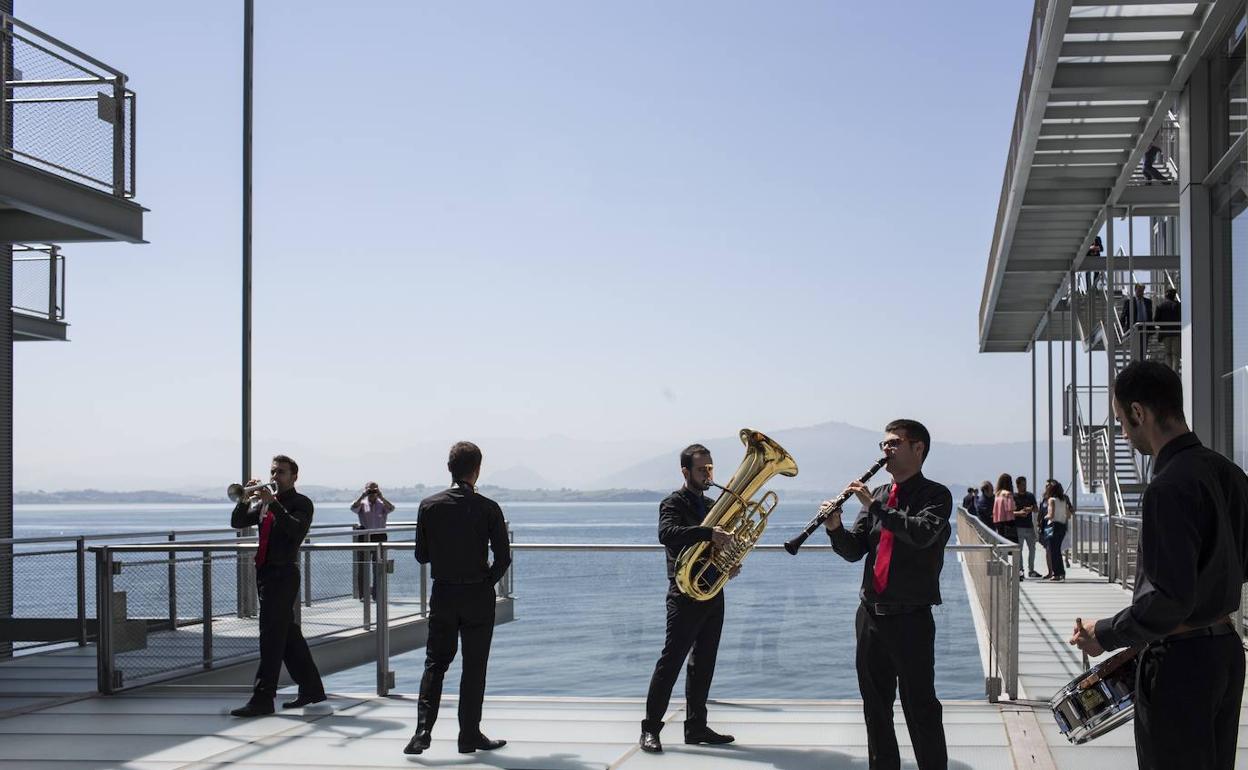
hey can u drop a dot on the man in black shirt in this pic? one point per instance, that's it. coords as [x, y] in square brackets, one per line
[1168, 319]
[453, 529]
[1191, 559]
[1024, 522]
[693, 626]
[902, 530]
[283, 519]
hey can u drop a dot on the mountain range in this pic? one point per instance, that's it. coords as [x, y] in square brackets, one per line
[829, 455]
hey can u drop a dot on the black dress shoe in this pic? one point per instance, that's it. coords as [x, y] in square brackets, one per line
[650, 742]
[303, 700]
[253, 709]
[480, 743]
[419, 742]
[707, 735]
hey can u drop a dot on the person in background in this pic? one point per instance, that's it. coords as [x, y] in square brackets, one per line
[1056, 518]
[1149, 165]
[983, 504]
[372, 507]
[1003, 508]
[1137, 310]
[968, 500]
[1168, 316]
[1024, 522]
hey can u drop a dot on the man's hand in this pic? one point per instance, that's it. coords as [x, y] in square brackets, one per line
[265, 494]
[861, 492]
[833, 522]
[736, 570]
[720, 537]
[1084, 637]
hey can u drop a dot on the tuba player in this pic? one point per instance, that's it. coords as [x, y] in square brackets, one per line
[693, 626]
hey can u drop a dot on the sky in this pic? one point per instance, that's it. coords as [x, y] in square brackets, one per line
[637, 222]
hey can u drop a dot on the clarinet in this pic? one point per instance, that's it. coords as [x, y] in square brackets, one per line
[829, 509]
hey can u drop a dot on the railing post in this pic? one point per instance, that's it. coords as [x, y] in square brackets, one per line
[424, 590]
[173, 584]
[1011, 672]
[104, 663]
[52, 253]
[119, 136]
[80, 558]
[206, 611]
[307, 576]
[381, 583]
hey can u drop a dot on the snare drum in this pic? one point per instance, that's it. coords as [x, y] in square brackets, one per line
[1099, 700]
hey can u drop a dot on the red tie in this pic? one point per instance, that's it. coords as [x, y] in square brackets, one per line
[266, 525]
[884, 552]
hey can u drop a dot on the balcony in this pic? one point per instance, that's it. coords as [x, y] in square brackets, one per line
[38, 293]
[67, 143]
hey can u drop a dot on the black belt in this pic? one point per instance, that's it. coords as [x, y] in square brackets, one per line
[460, 581]
[893, 609]
[1221, 628]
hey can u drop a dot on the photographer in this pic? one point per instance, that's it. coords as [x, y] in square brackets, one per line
[372, 507]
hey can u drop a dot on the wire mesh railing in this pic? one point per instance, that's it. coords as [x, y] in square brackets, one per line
[993, 565]
[39, 281]
[65, 112]
[54, 583]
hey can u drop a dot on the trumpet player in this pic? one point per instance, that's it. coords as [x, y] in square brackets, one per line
[902, 530]
[284, 518]
[693, 626]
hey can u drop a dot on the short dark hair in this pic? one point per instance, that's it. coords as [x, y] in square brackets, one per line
[1020, 479]
[1172, 294]
[294, 466]
[915, 431]
[464, 460]
[1153, 385]
[686, 454]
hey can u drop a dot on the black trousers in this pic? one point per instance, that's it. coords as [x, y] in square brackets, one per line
[1054, 546]
[457, 611]
[281, 640]
[893, 650]
[693, 630]
[1187, 697]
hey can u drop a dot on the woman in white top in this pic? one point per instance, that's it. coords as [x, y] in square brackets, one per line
[1057, 517]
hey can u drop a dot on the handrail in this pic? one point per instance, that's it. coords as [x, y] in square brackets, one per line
[994, 583]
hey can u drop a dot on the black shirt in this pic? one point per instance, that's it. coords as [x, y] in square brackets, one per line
[292, 515]
[1022, 500]
[920, 527]
[680, 523]
[1169, 311]
[1193, 546]
[453, 528]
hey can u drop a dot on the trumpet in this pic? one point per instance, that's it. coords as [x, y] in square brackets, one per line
[827, 510]
[237, 492]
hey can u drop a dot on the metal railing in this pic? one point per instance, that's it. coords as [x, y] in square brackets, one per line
[1107, 545]
[993, 564]
[65, 112]
[141, 644]
[39, 281]
[54, 602]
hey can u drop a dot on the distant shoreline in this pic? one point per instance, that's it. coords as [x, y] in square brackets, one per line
[407, 495]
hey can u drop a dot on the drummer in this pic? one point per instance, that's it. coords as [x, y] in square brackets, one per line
[1192, 556]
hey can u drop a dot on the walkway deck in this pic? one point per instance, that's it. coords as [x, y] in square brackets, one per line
[187, 727]
[1047, 663]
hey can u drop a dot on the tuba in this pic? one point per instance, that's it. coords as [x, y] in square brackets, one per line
[701, 570]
